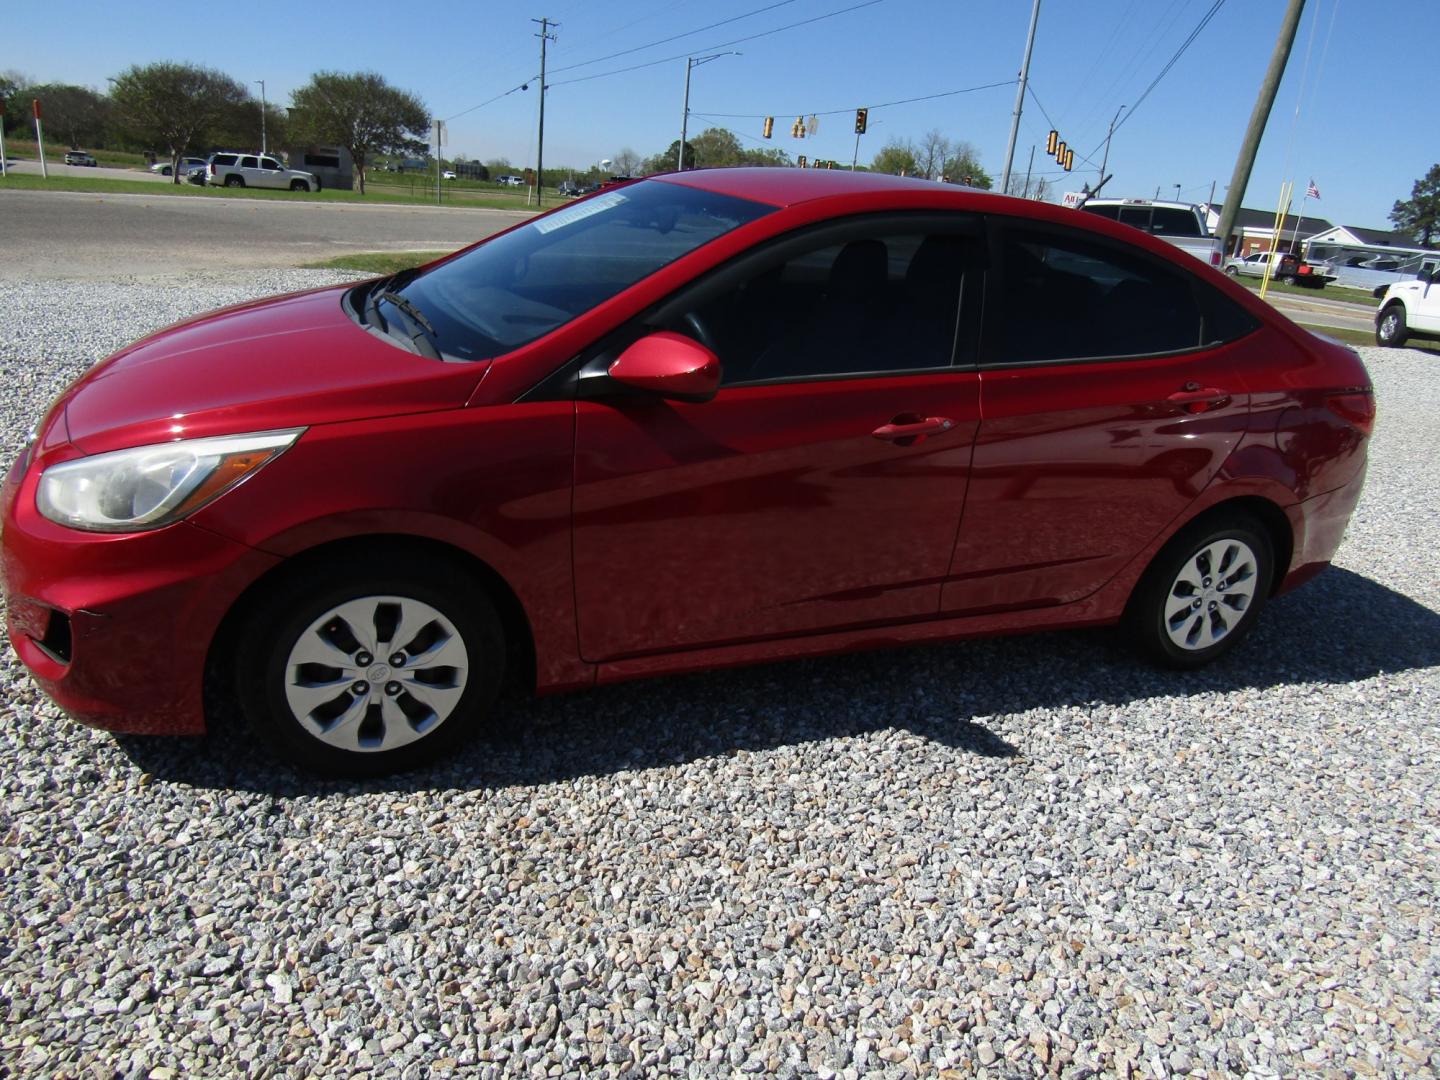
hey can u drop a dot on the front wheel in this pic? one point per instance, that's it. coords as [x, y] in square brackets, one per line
[299, 185]
[362, 673]
[1202, 593]
[1391, 331]
[1232, 271]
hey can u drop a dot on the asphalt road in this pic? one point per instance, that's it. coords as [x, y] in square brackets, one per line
[54, 234]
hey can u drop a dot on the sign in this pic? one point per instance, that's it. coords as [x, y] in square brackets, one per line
[1072, 199]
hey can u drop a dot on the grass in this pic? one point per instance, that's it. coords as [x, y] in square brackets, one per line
[1329, 292]
[55, 154]
[376, 262]
[1365, 337]
[478, 200]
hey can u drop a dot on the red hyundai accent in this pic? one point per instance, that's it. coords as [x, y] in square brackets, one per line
[698, 420]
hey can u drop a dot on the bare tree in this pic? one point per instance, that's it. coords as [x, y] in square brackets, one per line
[931, 153]
[626, 162]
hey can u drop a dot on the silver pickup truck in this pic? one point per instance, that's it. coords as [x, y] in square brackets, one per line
[1181, 224]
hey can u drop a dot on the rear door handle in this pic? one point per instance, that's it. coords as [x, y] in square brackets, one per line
[1199, 399]
[898, 432]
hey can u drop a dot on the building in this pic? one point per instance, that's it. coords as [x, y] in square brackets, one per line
[1255, 230]
[330, 164]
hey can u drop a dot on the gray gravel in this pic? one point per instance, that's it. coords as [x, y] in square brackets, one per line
[1003, 858]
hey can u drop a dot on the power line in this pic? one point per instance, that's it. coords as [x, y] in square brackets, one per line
[672, 37]
[872, 108]
[720, 45]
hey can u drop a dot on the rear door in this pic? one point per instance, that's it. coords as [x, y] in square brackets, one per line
[821, 488]
[1106, 412]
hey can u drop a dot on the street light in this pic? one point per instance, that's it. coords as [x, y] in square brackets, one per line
[264, 149]
[692, 62]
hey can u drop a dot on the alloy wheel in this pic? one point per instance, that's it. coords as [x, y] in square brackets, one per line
[1211, 594]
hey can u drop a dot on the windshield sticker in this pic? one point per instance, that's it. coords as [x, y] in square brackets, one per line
[579, 212]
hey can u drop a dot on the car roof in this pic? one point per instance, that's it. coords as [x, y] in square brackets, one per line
[786, 187]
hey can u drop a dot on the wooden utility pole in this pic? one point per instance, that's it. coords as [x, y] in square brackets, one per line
[1019, 100]
[544, 36]
[1240, 178]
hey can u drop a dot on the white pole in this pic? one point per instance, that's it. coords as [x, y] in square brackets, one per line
[264, 147]
[40, 140]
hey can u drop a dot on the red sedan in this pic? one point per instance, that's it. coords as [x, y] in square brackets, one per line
[693, 421]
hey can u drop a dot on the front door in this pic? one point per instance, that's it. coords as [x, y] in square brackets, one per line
[822, 487]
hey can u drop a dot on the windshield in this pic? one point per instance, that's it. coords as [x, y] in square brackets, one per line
[524, 284]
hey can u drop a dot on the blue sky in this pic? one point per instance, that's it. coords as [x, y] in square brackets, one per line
[1091, 57]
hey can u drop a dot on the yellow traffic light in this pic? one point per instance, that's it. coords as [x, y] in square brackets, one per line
[1052, 142]
[1060, 153]
[797, 129]
[1069, 159]
[802, 162]
[862, 117]
[769, 126]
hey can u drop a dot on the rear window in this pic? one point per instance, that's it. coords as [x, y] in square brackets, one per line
[224, 159]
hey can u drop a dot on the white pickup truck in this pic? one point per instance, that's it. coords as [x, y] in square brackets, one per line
[1181, 224]
[1409, 309]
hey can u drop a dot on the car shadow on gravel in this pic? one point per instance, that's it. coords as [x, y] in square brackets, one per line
[1340, 628]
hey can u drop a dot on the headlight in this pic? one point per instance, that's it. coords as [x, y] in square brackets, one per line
[150, 486]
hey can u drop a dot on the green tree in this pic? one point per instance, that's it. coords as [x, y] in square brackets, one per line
[361, 112]
[965, 161]
[897, 157]
[13, 86]
[1419, 215]
[177, 106]
[76, 115]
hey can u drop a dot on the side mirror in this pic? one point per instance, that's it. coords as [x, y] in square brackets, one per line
[1427, 276]
[670, 365]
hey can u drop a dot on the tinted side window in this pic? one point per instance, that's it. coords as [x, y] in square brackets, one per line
[249, 163]
[225, 159]
[1172, 221]
[886, 302]
[1068, 299]
[269, 163]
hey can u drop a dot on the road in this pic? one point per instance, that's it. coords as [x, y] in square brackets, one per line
[57, 167]
[57, 234]
[1317, 311]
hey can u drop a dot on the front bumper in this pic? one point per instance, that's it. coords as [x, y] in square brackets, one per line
[117, 628]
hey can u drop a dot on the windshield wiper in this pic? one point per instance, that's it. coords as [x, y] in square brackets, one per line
[405, 304]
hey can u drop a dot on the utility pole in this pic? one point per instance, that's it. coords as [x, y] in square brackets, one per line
[692, 62]
[264, 147]
[1105, 160]
[1019, 100]
[439, 139]
[1028, 169]
[40, 138]
[1240, 178]
[544, 36]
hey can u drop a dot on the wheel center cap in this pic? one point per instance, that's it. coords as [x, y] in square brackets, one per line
[377, 673]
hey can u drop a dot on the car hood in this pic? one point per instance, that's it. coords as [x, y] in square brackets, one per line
[291, 361]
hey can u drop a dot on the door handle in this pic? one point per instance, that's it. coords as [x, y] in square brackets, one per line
[1199, 399]
[897, 431]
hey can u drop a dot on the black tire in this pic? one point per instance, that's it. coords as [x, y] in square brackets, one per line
[234, 181]
[1225, 536]
[165, 171]
[1390, 328]
[292, 610]
[299, 185]
[1233, 271]
[1287, 279]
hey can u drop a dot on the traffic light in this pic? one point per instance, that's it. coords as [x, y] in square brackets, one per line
[862, 117]
[1060, 153]
[797, 129]
[966, 180]
[1052, 142]
[803, 163]
[769, 126]
[1069, 160]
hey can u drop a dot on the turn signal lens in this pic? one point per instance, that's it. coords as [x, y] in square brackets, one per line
[1357, 410]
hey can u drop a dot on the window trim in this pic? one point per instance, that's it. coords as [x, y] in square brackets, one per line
[991, 344]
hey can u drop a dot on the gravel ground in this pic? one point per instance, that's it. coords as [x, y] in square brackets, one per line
[1003, 858]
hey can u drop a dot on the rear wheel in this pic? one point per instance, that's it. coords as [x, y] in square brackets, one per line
[1201, 595]
[1391, 331]
[364, 671]
[234, 181]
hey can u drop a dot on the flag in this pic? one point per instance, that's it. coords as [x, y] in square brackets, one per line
[1312, 192]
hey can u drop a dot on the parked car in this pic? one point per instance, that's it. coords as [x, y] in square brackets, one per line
[1288, 268]
[510, 181]
[256, 170]
[79, 157]
[1409, 309]
[568, 188]
[685, 424]
[188, 165]
[1181, 224]
[448, 174]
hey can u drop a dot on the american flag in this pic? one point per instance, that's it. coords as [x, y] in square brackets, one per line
[1312, 192]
